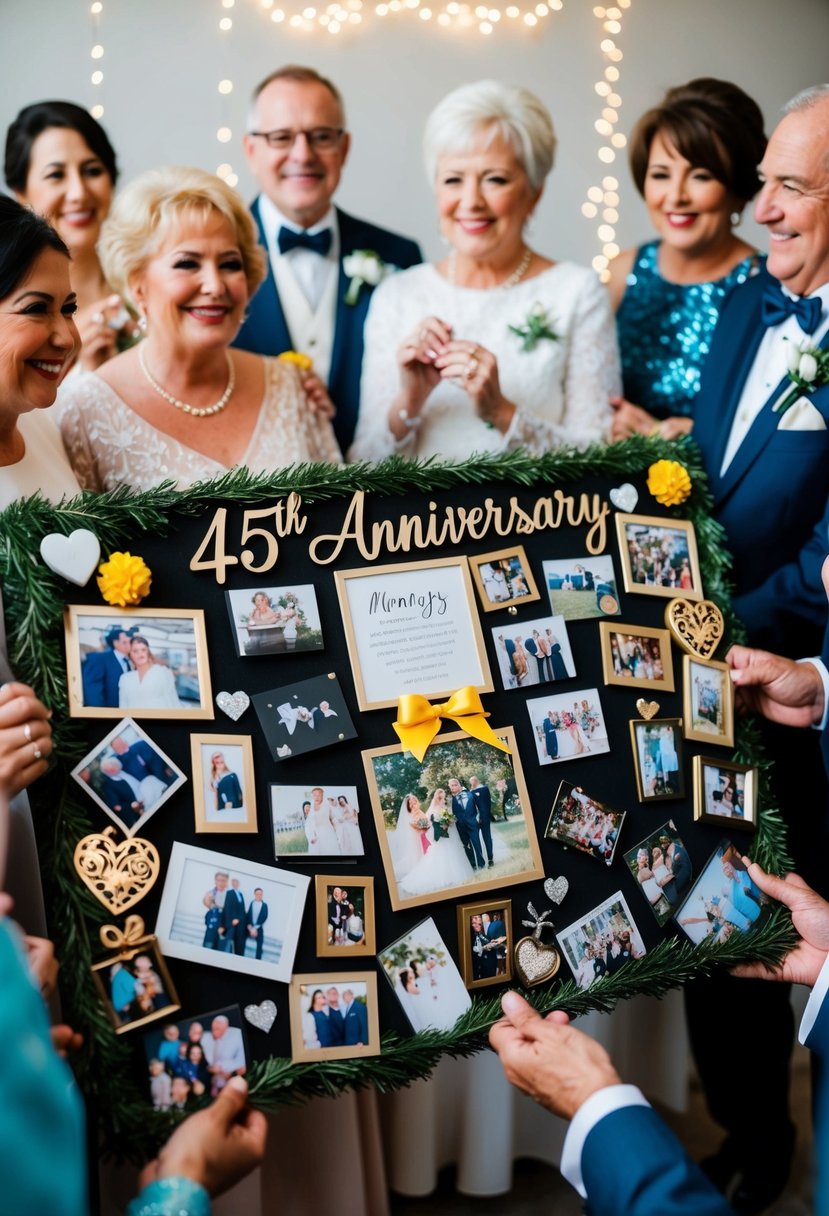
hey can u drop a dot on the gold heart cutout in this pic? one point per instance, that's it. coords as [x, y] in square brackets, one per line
[119, 875]
[647, 709]
[697, 626]
[535, 961]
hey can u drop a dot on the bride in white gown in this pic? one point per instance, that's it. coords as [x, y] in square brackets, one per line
[405, 841]
[445, 863]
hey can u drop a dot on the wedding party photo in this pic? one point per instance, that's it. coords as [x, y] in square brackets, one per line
[659, 557]
[568, 725]
[657, 758]
[303, 717]
[636, 657]
[345, 914]
[224, 794]
[316, 821]
[231, 913]
[425, 979]
[534, 652]
[602, 941]
[333, 1016]
[447, 825]
[581, 588]
[274, 620]
[661, 867]
[581, 822]
[725, 792]
[723, 900]
[194, 1057]
[128, 776]
[708, 701]
[135, 986]
[503, 578]
[151, 662]
[485, 943]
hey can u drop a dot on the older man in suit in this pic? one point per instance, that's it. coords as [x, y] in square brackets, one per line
[296, 147]
[102, 669]
[233, 917]
[355, 1019]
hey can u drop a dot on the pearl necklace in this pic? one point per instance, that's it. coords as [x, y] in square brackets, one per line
[208, 410]
[516, 276]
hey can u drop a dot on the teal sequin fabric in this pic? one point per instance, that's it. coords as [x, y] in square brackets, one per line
[665, 332]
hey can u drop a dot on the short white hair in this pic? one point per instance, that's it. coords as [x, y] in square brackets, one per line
[806, 98]
[515, 114]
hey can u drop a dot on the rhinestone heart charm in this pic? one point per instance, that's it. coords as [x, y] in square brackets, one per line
[73, 557]
[261, 1016]
[696, 626]
[556, 888]
[647, 709]
[535, 961]
[233, 704]
[624, 498]
[119, 875]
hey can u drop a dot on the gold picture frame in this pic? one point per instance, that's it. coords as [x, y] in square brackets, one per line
[377, 675]
[238, 779]
[466, 952]
[302, 987]
[635, 577]
[147, 945]
[708, 771]
[329, 884]
[707, 701]
[94, 692]
[527, 590]
[613, 659]
[659, 770]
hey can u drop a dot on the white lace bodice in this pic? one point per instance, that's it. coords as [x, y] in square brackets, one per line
[109, 445]
[561, 388]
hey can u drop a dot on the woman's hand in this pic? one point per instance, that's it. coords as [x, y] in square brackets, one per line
[42, 964]
[98, 338]
[322, 406]
[475, 370]
[416, 361]
[25, 737]
[629, 419]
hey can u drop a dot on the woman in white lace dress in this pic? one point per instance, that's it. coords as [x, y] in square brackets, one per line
[445, 372]
[181, 247]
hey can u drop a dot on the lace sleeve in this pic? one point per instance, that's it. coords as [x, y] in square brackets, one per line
[591, 376]
[380, 378]
[70, 410]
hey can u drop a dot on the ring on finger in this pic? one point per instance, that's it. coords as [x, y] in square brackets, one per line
[38, 754]
[470, 369]
[27, 732]
[97, 318]
[423, 335]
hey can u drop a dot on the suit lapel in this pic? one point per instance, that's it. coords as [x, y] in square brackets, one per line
[268, 307]
[744, 340]
[348, 318]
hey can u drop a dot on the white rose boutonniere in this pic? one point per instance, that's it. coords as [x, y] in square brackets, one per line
[808, 369]
[535, 328]
[364, 267]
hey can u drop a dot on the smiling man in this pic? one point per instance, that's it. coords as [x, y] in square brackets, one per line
[296, 147]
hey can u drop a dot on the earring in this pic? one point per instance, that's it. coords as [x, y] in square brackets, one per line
[142, 322]
[736, 218]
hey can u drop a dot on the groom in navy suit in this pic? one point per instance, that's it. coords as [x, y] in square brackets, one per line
[464, 809]
[102, 669]
[296, 148]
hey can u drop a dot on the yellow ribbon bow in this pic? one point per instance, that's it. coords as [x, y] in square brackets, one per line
[418, 722]
[116, 939]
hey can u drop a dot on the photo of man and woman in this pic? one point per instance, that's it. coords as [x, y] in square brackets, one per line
[723, 900]
[135, 986]
[659, 557]
[581, 821]
[503, 578]
[662, 868]
[568, 725]
[274, 620]
[345, 915]
[316, 821]
[128, 776]
[602, 942]
[725, 792]
[425, 979]
[485, 943]
[534, 652]
[583, 587]
[195, 1057]
[334, 1016]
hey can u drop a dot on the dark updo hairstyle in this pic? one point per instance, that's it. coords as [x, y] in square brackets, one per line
[714, 125]
[23, 238]
[34, 120]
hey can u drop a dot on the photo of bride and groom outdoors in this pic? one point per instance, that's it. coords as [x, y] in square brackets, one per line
[457, 822]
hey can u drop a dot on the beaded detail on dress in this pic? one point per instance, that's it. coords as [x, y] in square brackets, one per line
[665, 332]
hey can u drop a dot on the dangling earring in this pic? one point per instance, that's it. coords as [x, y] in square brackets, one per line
[142, 322]
[736, 218]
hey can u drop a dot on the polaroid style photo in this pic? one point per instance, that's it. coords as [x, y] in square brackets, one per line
[302, 717]
[724, 900]
[661, 867]
[533, 652]
[583, 823]
[316, 821]
[581, 588]
[274, 620]
[602, 941]
[424, 977]
[568, 725]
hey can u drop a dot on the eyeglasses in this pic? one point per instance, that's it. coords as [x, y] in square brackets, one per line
[321, 139]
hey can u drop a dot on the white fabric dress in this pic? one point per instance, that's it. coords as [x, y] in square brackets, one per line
[156, 691]
[110, 445]
[561, 388]
[44, 465]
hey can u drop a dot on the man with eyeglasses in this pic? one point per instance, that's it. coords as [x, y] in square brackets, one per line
[296, 147]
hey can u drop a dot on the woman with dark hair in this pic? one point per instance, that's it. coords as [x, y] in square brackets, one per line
[38, 341]
[694, 160]
[60, 162]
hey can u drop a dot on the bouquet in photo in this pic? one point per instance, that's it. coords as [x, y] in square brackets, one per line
[442, 824]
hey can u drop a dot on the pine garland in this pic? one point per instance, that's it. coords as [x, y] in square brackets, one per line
[34, 599]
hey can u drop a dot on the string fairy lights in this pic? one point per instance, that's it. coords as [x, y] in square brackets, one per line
[342, 15]
[224, 132]
[96, 54]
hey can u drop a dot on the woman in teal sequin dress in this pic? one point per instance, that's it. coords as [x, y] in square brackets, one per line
[694, 160]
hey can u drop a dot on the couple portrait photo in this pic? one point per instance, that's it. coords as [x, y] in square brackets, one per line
[436, 822]
[334, 1017]
[304, 716]
[582, 587]
[425, 979]
[345, 914]
[128, 776]
[535, 652]
[723, 900]
[568, 725]
[275, 620]
[602, 942]
[662, 868]
[503, 578]
[316, 821]
[485, 943]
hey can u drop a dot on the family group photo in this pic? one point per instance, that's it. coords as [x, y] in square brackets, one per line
[333, 1016]
[581, 588]
[534, 652]
[601, 942]
[637, 657]
[662, 868]
[275, 620]
[316, 821]
[425, 979]
[128, 776]
[568, 725]
[194, 1058]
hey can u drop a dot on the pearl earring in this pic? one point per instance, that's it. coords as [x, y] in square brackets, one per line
[142, 323]
[736, 218]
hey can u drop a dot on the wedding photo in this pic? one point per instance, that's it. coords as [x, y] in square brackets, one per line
[135, 986]
[485, 943]
[636, 657]
[723, 900]
[448, 825]
[316, 821]
[128, 776]
[725, 792]
[661, 867]
[659, 557]
[657, 758]
[708, 701]
[602, 941]
[568, 725]
[345, 914]
[503, 578]
[303, 717]
[152, 662]
[534, 652]
[228, 912]
[425, 979]
[333, 1017]
[583, 587]
[224, 794]
[194, 1057]
[274, 620]
[587, 825]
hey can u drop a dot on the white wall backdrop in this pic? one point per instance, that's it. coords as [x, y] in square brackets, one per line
[163, 60]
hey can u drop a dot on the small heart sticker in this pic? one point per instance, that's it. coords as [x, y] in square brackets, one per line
[233, 704]
[647, 709]
[73, 557]
[556, 888]
[625, 497]
[261, 1016]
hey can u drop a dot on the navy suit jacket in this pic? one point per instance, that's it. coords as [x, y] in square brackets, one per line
[234, 909]
[483, 801]
[773, 499]
[142, 760]
[265, 332]
[263, 916]
[356, 1025]
[100, 674]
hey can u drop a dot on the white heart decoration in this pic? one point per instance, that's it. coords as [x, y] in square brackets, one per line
[556, 888]
[624, 498]
[261, 1016]
[73, 557]
[233, 704]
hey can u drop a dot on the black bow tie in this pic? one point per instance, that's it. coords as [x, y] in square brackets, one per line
[777, 306]
[317, 242]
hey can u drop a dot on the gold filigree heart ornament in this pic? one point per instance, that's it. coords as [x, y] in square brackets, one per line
[535, 960]
[119, 875]
[696, 626]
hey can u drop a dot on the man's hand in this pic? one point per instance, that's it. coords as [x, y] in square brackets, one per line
[810, 916]
[549, 1059]
[779, 689]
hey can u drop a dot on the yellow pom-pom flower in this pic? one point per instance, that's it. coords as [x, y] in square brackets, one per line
[124, 580]
[669, 482]
[303, 362]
